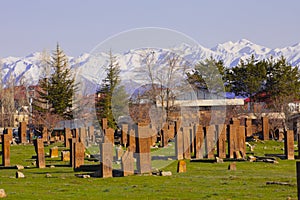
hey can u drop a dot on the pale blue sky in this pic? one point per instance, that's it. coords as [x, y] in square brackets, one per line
[34, 25]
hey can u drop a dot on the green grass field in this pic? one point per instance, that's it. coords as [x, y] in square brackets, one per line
[202, 180]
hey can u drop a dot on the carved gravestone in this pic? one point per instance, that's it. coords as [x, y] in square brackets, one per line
[232, 131]
[127, 163]
[119, 152]
[143, 143]
[92, 134]
[78, 154]
[106, 157]
[221, 144]
[265, 128]
[22, 132]
[210, 141]
[186, 142]
[5, 150]
[131, 141]
[82, 135]
[65, 156]
[242, 141]
[248, 126]
[199, 140]
[68, 135]
[164, 137]
[179, 145]
[54, 152]
[9, 132]
[109, 135]
[289, 144]
[124, 133]
[39, 148]
[72, 142]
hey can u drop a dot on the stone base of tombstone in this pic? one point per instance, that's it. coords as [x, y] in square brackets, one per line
[65, 156]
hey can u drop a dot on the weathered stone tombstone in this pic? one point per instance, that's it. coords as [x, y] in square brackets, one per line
[68, 135]
[78, 154]
[9, 132]
[127, 163]
[75, 134]
[109, 135]
[210, 143]
[22, 132]
[54, 152]
[92, 134]
[143, 143]
[199, 140]
[45, 134]
[265, 128]
[119, 152]
[186, 142]
[248, 126]
[164, 137]
[221, 144]
[124, 133]
[39, 148]
[232, 129]
[289, 144]
[179, 145]
[82, 135]
[65, 156]
[242, 141]
[131, 141]
[106, 157]
[72, 142]
[5, 150]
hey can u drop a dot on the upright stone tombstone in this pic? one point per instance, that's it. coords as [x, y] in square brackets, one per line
[242, 140]
[72, 142]
[289, 144]
[39, 148]
[92, 134]
[54, 152]
[109, 135]
[231, 140]
[127, 163]
[68, 135]
[199, 140]
[131, 141]
[186, 142]
[5, 150]
[265, 128]
[164, 137]
[82, 135]
[143, 144]
[9, 132]
[45, 134]
[248, 126]
[78, 154]
[75, 134]
[179, 145]
[221, 144]
[124, 133]
[210, 141]
[171, 131]
[22, 132]
[106, 157]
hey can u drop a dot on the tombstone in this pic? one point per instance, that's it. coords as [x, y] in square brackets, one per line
[106, 157]
[127, 163]
[39, 149]
[78, 154]
[164, 137]
[199, 140]
[65, 156]
[231, 139]
[181, 167]
[9, 132]
[143, 143]
[265, 128]
[210, 144]
[124, 133]
[119, 152]
[289, 144]
[171, 131]
[22, 132]
[232, 166]
[72, 142]
[298, 177]
[5, 149]
[179, 145]
[109, 135]
[45, 134]
[235, 121]
[104, 123]
[54, 152]
[75, 134]
[186, 142]
[242, 141]
[92, 134]
[221, 144]
[68, 135]
[248, 126]
[82, 135]
[131, 141]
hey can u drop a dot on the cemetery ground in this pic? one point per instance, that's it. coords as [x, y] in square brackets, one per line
[203, 180]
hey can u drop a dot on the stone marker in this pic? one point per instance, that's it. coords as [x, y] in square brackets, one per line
[221, 144]
[248, 126]
[231, 140]
[39, 148]
[22, 132]
[109, 135]
[199, 140]
[186, 142]
[143, 143]
[106, 157]
[54, 152]
[127, 163]
[68, 135]
[9, 132]
[119, 152]
[75, 134]
[242, 141]
[265, 128]
[232, 166]
[131, 141]
[181, 167]
[289, 144]
[82, 135]
[210, 144]
[78, 154]
[179, 145]
[19, 174]
[65, 156]
[92, 134]
[164, 137]
[72, 142]
[124, 133]
[5, 150]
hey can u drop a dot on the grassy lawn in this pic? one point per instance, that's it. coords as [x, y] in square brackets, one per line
[201, 181]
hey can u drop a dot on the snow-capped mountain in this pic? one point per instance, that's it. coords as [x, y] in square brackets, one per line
[88, 67]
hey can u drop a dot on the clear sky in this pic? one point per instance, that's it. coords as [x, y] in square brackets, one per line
[79, 25]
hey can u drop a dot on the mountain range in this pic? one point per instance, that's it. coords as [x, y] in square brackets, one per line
[28, 69]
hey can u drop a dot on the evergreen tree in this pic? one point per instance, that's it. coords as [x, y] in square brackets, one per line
[107, 106]
[57, 90]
